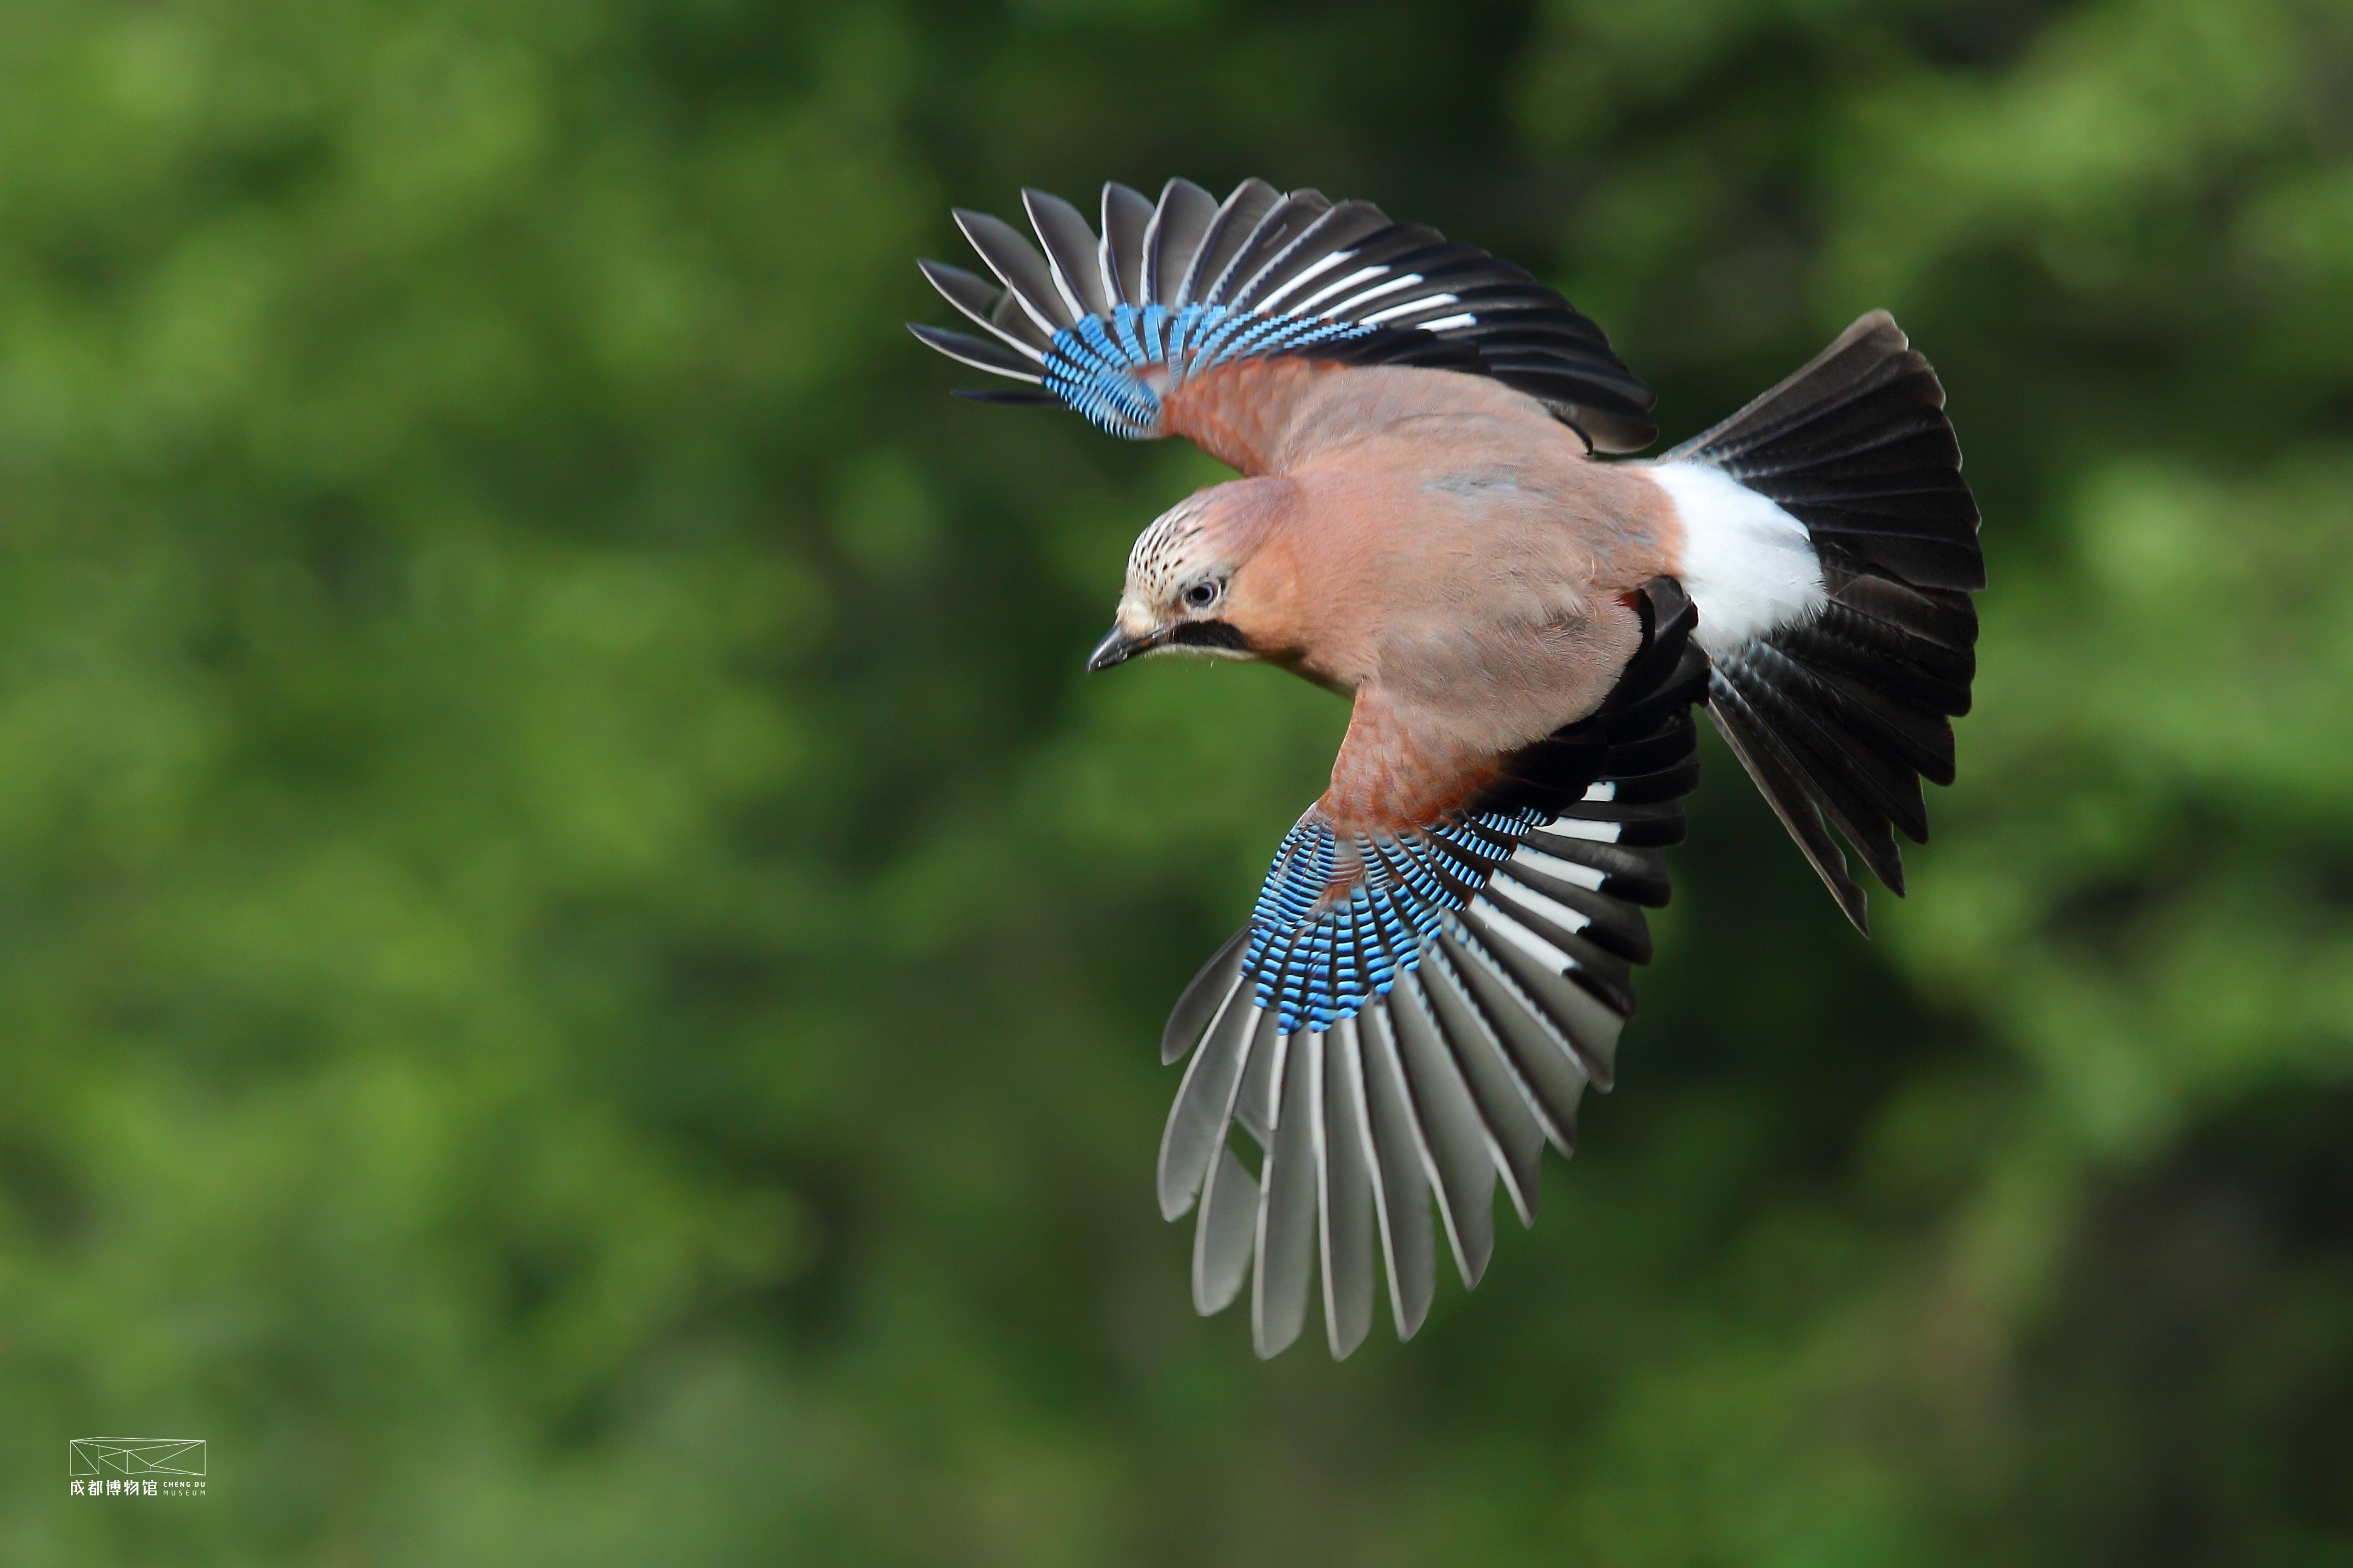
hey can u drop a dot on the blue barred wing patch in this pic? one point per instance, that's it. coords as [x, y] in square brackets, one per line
[1098, 366]
[1108, 323]
[1339, 917]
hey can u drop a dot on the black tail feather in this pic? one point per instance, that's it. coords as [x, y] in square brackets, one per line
[1839, 717]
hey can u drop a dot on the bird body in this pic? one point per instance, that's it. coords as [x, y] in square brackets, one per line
[1440, 962]
[1437, 546]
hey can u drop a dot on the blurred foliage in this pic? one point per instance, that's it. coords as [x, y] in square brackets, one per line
[580, 965]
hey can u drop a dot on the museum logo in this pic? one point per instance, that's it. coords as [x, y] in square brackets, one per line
[135, 1467]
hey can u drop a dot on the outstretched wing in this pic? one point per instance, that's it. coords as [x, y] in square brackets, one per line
[1112, 324]
[1396, 1043]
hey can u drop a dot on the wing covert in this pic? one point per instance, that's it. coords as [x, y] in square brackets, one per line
[1111, 325]
[1408, 1020]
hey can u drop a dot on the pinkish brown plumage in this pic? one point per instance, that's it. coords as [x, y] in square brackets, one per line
[1441, 960]
[1436, 545]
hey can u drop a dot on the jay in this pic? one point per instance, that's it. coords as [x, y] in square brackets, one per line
[1440, 962]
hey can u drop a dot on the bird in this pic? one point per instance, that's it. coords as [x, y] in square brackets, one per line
[1436, 517]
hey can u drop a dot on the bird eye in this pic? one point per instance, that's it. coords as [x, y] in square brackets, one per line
[1201, 595]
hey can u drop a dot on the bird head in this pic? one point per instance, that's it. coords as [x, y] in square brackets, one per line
[1194, 578]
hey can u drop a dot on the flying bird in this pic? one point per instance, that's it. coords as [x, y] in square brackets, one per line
[1440, 962]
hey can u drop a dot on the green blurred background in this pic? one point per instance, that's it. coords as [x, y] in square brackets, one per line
[579, 965]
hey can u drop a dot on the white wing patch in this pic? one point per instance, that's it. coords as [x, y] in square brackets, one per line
[1553, 866]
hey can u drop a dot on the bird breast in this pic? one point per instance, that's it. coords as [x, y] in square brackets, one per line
[1475, 575]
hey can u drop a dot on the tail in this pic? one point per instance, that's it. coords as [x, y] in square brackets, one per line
[1830, 545]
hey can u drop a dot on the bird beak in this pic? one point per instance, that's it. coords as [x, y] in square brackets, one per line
[1118, 648]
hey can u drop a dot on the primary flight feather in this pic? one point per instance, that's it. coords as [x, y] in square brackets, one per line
[1441, 960]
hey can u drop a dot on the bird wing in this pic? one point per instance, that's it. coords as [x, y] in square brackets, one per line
[1114, 324]
[1412, 1015]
